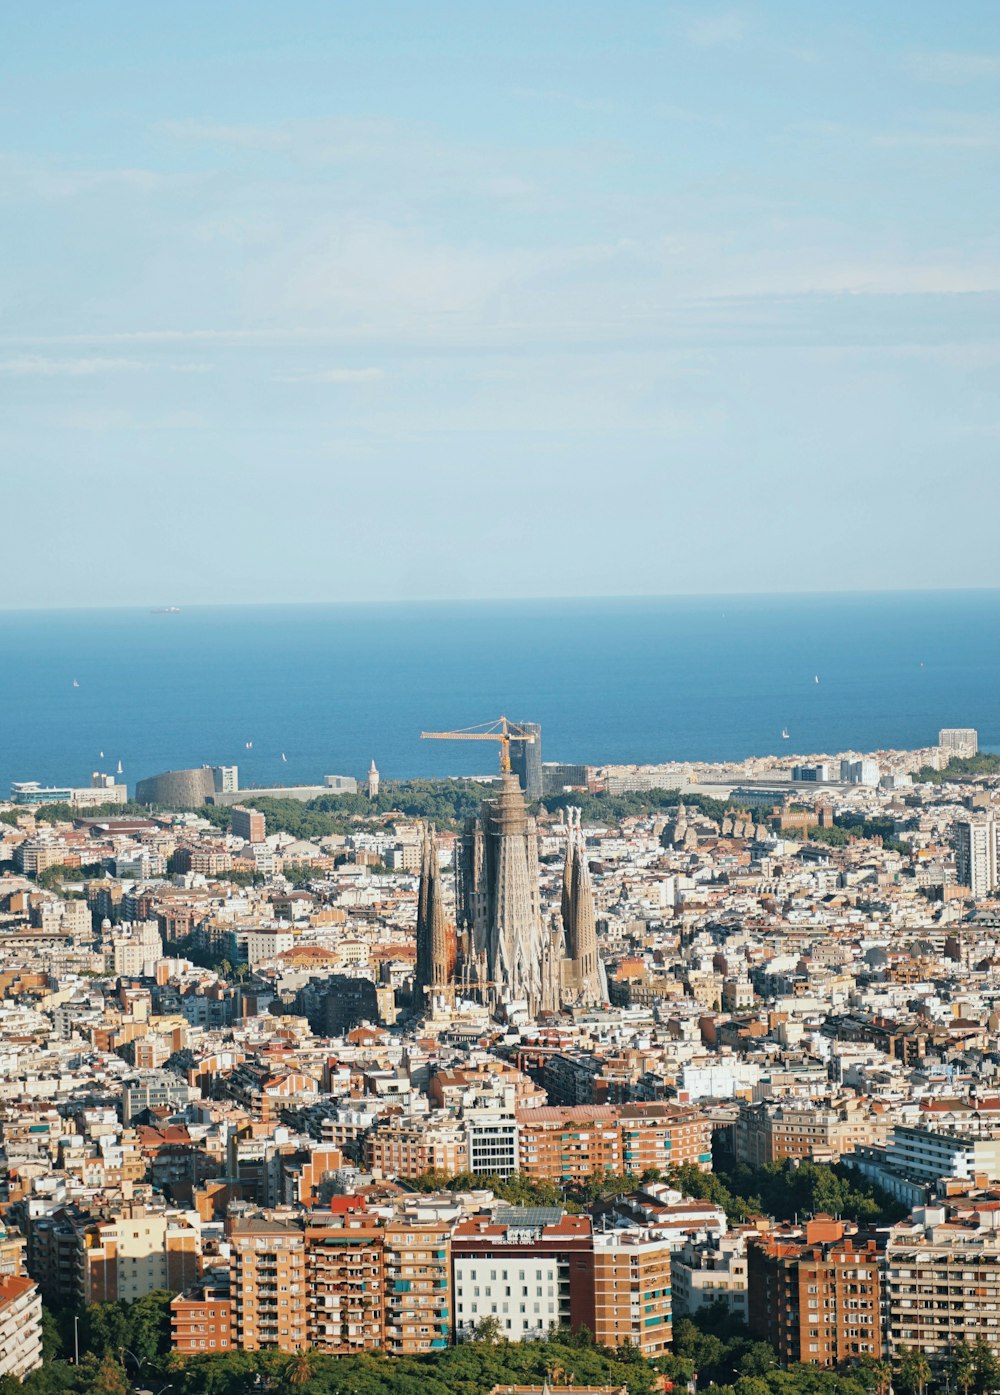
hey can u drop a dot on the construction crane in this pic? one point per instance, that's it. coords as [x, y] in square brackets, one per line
[501, 730]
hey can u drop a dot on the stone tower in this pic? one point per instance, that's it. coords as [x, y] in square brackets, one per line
[584, 977]
[373, 780]
[499, 904]
[435, 966]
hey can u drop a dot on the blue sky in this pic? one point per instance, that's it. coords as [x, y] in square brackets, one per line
[321, 301]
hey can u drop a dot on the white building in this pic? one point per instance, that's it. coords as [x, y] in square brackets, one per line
[860, 772]
[711, 1271]
[959, 741]
[976, 855]
[927, 1156]
[20, 1327]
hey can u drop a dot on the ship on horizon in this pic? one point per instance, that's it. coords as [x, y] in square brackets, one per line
[165, 610]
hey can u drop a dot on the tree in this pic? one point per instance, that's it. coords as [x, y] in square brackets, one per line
[874, 1375]
[914, 1370]
[110, 1378]
[962, 1366]
[986, 1371]
[299, 1370]
[488, 1329]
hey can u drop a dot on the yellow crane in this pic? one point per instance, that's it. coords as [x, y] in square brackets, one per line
[501, 730]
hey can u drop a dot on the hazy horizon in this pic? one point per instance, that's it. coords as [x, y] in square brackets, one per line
[832, 593]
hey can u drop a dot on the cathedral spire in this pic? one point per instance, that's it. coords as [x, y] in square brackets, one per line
[435, 964]
[585, 970]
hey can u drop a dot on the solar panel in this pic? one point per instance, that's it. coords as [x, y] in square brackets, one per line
[528, 1217]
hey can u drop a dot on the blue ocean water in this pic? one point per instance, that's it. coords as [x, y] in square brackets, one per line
[332, 686]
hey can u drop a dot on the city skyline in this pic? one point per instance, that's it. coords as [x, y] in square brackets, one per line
[465, 300]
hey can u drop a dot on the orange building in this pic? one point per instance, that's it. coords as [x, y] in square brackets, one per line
[346, 1281]
[664, 1135]
[569, 1143]
[205, 1321]
[268, 1276]
[815, 1294]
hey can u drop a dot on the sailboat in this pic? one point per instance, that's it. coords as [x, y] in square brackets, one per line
[283, 756]
[816, 678]
[119, 768]
[75, 683]
[784, 734]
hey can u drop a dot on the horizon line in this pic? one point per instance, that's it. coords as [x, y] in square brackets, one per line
[558, 598]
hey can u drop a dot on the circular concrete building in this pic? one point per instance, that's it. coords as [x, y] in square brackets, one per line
[177, 789]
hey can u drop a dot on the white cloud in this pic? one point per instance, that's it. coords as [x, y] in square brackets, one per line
[718, 30]
[49, 180]
[38, 366]
[333, 375]
[943, 66]
[945, 131]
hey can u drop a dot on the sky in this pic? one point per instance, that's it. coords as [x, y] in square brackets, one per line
[331, 301]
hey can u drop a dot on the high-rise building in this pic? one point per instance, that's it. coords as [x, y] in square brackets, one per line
[815, 1294]
[976, 855]
[268, 1284]
[248, 824]
[418, 1287]
[526, 758]
[860, 772]
[345, 1281]
[435, 964]
[505, 948]
[584, 977]
[226, 778]
[959, 741]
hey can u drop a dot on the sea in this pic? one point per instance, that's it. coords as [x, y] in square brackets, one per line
[292, 693]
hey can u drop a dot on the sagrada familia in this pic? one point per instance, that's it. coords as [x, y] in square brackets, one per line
[501, 951]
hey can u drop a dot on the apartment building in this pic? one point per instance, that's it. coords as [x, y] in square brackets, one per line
[569, 1143]
[661, 1136]
[771, 1130]
[204, 1319]
[815, 1293]
[631, 1290]
[943, 1280]
[268, 1278]
[345, 1279]
[927, 1155]
[519, 1267]
[134, 1254]
[20, 1327]
[709, 1271]
[409, 1147]
[418, 1288]
[248, 824]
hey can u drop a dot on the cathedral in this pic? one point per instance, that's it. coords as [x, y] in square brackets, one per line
[505, 953]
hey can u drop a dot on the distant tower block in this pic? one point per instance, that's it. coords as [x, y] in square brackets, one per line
[526, 758]
[373, 779]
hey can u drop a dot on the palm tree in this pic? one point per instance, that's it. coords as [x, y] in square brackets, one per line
[986, 1373]
[298, 1370]
[914, 1370]
[962, 1365]
[874, 1374]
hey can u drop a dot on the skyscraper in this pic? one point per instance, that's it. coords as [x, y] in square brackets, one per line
[526, 758]
[435, 966]
[976, 855]
[505, 947]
